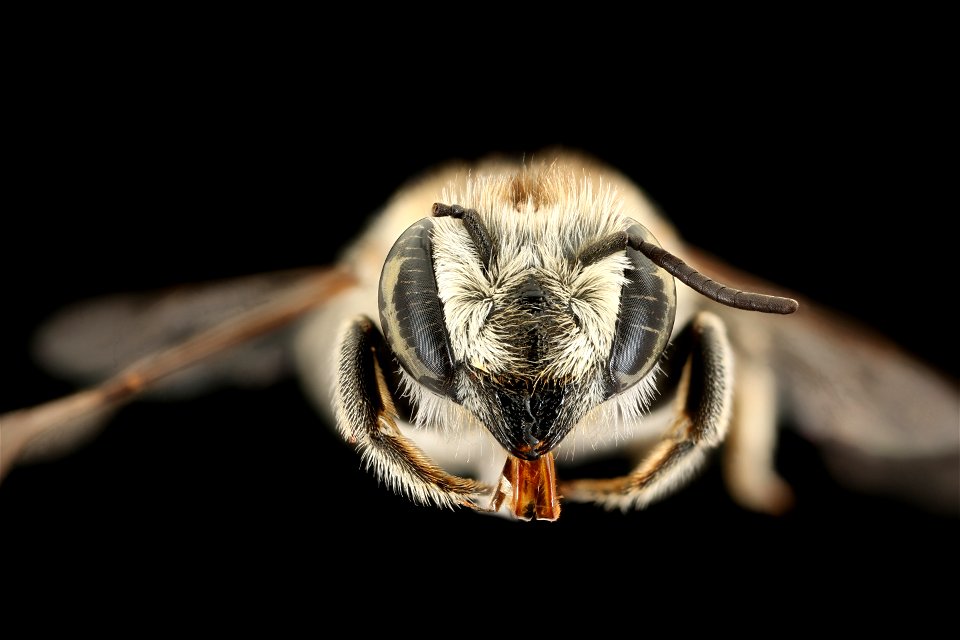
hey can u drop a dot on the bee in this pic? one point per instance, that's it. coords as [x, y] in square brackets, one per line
[498, 325]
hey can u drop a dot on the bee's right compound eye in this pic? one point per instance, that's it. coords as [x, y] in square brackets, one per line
[411, 313]
[648, 306]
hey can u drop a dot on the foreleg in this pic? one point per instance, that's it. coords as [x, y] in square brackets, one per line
[704, 400]
[366, 416]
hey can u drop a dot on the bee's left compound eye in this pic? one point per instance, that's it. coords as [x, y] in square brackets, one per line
[648, 306]
[411, 314]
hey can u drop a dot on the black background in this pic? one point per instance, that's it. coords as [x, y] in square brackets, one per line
[813, 174]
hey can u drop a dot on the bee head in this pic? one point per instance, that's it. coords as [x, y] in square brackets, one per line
[530, 323]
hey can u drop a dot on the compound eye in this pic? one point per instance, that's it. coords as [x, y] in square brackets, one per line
[648, 306]
[411, 313]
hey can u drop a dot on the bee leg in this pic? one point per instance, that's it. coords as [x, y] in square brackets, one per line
[366, 416]
[704, 401]
[748, 453]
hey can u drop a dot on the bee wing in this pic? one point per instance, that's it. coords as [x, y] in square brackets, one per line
[95, 339]
[178, 341]
[884, 421]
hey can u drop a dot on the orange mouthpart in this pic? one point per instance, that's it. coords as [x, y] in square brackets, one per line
[533, 486]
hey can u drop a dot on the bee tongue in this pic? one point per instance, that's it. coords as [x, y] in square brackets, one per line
[533, 488]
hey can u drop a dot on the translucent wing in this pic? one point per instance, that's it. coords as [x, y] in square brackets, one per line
[174, 342]
[884, 421]
[95, 339]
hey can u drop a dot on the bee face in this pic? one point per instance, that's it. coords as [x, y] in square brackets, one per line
[513, 312]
